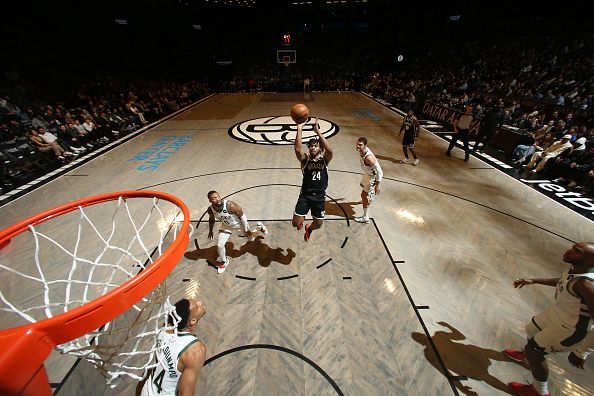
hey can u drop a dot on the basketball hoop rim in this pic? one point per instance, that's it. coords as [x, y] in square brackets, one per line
[29, 345]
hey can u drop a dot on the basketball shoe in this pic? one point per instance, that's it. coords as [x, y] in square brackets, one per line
[262, 228]
[516, 356]
[361, 219]
[525, 389]
[307, 234]
[222, 266]
[416, 162]
[404, 161]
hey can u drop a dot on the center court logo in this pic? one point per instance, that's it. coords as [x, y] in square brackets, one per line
[278, 130]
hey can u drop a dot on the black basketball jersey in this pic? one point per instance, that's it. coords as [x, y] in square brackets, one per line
[315, 175]
[409, 125]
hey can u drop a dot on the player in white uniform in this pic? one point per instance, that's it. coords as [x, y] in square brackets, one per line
[563, 326]
[372, 175]
[180, 355]
[232, 218]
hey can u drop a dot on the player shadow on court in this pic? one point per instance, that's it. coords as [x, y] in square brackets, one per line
[332, 208]
[384, 158]
[463, 359]
[263, 252]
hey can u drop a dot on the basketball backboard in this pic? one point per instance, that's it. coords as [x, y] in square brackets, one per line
[286, 56]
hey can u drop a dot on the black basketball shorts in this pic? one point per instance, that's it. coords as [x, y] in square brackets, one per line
[408, 139]
[311, 201]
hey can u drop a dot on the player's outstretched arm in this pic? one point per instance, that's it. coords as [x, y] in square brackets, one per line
[297, 146]
[238, 211]
[521, 282]
[193, 360]
[324, 142]
[211, 221]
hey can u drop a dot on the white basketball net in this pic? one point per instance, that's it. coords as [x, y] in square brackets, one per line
[97, 255]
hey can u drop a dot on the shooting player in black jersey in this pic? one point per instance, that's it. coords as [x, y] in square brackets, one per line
[315, 180]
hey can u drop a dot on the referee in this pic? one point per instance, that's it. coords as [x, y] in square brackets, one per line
[462, 127]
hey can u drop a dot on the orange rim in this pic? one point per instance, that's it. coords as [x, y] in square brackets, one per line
[29, 345]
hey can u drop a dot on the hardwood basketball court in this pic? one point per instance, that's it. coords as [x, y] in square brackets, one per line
[360, 309]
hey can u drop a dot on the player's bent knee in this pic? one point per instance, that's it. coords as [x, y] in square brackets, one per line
[535, 351]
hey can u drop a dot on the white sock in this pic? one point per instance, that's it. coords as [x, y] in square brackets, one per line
[366, 212]
[541, 387]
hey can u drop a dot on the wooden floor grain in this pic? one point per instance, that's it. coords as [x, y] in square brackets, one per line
[365, 303]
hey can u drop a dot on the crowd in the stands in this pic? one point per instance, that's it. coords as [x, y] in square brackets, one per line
[37, 136]
[542, 87]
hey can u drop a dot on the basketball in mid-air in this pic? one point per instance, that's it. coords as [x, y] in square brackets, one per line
[300, 113]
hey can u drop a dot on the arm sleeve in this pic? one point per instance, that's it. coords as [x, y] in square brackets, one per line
[377, 171]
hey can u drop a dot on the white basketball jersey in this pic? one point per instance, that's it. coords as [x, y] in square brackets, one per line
[368, 170]
[570, 308]
[226, 217]
[163, 381]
